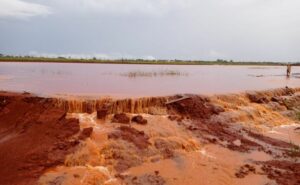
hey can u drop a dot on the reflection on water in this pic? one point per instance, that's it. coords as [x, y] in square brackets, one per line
[132, 80]
[5, 77]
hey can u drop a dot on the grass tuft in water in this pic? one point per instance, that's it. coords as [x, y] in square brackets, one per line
[135, 74]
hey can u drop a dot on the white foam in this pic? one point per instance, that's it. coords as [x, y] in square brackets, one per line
[294, 125]
[275, 132]
[111, 181]
[103, 170]
[204, 153]
[88, 119]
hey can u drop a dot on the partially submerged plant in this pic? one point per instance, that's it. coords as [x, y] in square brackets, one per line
[134, 74]
[287, 104]
[294, 151]
[298, 115]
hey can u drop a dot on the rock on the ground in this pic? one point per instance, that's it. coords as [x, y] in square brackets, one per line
[102, 113]
[139, 120]
[256, 98]
[85, 133]
[121, 118]
[195, 107]
[138, 138]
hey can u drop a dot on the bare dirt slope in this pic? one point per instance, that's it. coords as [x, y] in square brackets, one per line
[34, 136]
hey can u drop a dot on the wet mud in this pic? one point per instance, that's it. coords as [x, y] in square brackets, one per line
[248, 138]
[34, 136]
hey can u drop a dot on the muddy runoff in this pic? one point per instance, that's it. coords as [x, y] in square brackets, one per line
[247, 138]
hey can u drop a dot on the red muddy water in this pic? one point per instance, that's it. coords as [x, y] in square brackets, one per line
[140, 80]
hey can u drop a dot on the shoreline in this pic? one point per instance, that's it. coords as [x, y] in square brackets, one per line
[91, 96]
[95, 97]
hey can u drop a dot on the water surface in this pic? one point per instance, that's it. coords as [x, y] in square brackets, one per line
[113, 79]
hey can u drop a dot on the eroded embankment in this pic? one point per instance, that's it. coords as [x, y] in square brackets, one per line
[111, 106]
[237, 139]
[34, 136]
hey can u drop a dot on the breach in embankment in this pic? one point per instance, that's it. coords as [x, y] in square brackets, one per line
[247, 138]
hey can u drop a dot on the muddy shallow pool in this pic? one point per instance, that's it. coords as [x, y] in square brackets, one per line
[122, 80]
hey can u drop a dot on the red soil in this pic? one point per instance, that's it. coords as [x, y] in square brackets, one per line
[130, 134]
[121, 118]
[195, 107]
[34, 136]
[283, 172]
[139, 120]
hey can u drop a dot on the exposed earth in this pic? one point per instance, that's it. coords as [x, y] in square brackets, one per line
[249, 138]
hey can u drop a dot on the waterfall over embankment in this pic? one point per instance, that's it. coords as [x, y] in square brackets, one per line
[156, 104]
[129, 105]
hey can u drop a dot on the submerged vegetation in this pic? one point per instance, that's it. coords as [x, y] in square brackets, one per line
[298, 115]
[294, 151]
[134, 74]
[8, 58]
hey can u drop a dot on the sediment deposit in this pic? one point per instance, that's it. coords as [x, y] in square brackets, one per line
[247, 138]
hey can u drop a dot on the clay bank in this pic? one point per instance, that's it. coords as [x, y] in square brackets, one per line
[244, 138]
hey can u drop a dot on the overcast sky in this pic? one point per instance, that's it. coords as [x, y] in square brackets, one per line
[248, 30]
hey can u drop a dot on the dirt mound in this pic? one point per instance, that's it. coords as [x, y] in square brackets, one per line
[257, 98]
[139, 120]
[283, 172]
[194, 107]
[220, 133]
[271, 141]
[138, 138]
[121, 156]
[85, 133]
[34, 136]
[166, 147]
[121, 118]
[146, 179]
[245, 170]
[102, 113]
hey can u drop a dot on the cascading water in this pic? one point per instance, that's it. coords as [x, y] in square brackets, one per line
[147, 104]
[140, 105]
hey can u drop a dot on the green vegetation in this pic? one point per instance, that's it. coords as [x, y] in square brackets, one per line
[298, 115]
[294, 151]
[8, 58]
[288, 104]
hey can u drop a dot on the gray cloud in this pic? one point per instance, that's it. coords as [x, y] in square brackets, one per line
[260, 30]
[121, 7]
[21, 9]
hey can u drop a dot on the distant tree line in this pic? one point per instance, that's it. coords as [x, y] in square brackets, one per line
[28, 58]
